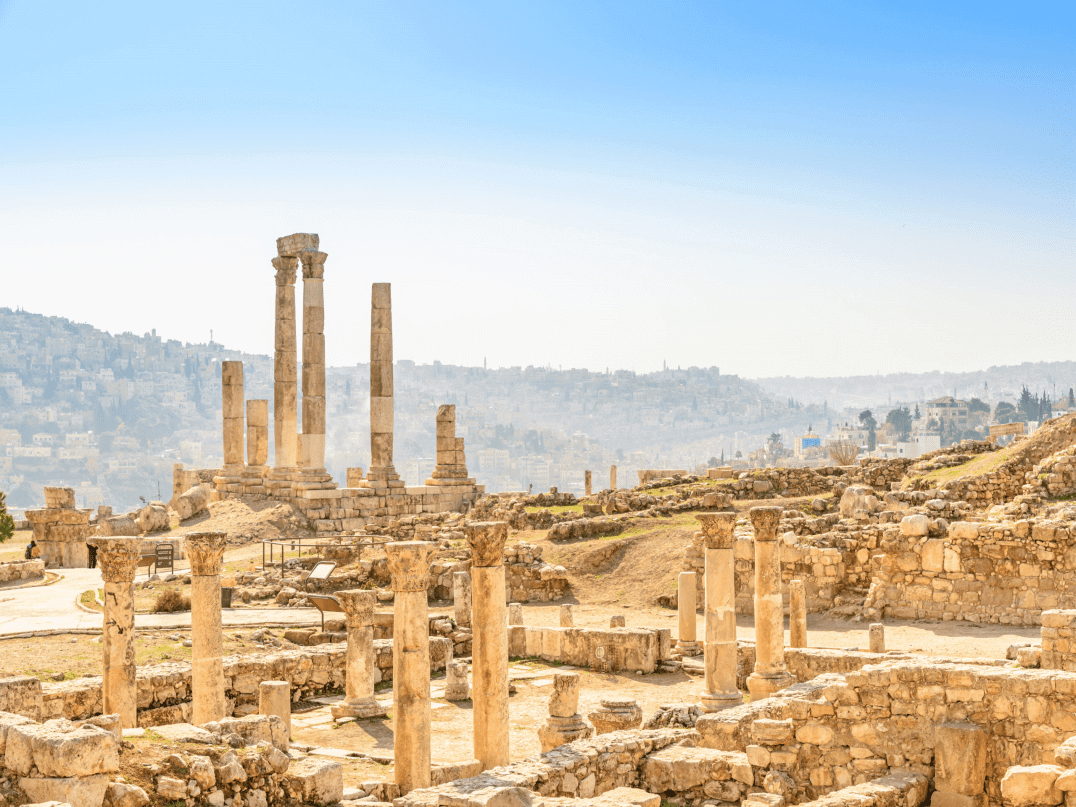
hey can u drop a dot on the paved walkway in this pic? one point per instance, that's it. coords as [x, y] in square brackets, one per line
[52, 608]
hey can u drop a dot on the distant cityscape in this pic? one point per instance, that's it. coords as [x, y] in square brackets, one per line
[110, 415]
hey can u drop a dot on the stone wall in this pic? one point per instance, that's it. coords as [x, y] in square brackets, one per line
[21, 570]
[259, 775]
[1058, 640]
[57, 761]
[164, 690]
[842, 730]
[581, 769]
[998, 572]
[829, 564]
[611, 650]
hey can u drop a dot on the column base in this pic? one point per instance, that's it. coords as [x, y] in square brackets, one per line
[763, 686]
[716, 701]
[560, 730]
[362, 708]
[688, 648]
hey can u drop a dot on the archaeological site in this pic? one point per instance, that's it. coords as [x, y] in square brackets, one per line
[891, 632]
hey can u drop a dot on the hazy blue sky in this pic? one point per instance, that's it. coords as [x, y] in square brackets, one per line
[778, 188]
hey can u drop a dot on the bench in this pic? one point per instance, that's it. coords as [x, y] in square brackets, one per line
[145, 562]
[325, 603]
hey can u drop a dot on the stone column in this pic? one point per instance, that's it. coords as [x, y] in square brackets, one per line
[257, 432]
[231, 385]
[687, 637]
[359, 700]
[409, 565]
[876, 636]
[564, 724]
[461, 597]
[797, 614]
[489, 656]
[205, 551]
[274, 698]
[456, 686]
[586, 483]
[567, 617]
[285, 372]
[381, 386]
[718, 531]
[312, 440]
[612, 477]
[118, 560]
[770, 673]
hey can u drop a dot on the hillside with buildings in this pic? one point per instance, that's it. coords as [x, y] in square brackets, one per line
[109, 415]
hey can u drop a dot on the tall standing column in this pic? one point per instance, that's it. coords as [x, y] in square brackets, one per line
[586, 483]
[381, 386]
[409, 565]
[205, 551]
[118, 559]
[770, 673]
[687, 635]
[285, 372]
[489, 665]
[718, 531]
[231, 385]
[612, 477]
[359, 700]
[312, 440]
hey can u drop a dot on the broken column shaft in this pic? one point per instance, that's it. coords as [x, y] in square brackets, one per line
[359, 700]
[231, 385]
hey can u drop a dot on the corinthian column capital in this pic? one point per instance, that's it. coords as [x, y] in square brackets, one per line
[205, 551]
[409, 564]
[313, 264]
[717, 529]
[285, 270]
[117, 557]
[486, 541]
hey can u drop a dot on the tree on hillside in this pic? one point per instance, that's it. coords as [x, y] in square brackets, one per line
[7, 523]
[1004, 412]
[1028, 405]
[901, 421]
[975, 405]
[917, 415]
[774, 442]
[871, 425]
[1072, 400]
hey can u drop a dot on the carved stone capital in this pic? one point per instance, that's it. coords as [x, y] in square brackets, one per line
[205, 551]
[313, 264]
[409, 564]
[486, 541]
[717, 529]
[358, 607]
[764, 520]
[117, 557]
[285, 270]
